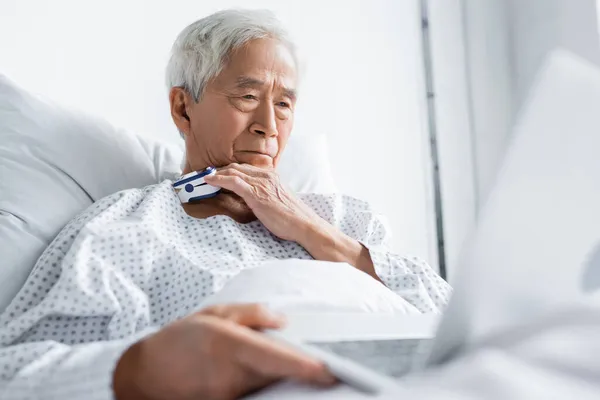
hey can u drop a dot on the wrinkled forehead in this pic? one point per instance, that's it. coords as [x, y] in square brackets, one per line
[264, 61]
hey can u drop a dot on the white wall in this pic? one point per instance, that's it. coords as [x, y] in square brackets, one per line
[363, 85]
[453, 125]
[472, 76]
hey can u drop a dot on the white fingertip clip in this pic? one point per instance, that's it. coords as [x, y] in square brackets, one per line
[191, 187]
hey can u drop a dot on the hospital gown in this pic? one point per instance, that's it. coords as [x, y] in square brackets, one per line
[135, 261]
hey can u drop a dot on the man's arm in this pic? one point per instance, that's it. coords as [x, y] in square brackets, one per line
[57, 371]
[215, 353]
[327, 243]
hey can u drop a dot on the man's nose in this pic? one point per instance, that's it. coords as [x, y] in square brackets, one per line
[264, 123]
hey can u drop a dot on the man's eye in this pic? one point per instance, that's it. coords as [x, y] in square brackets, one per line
[249, 97]
[283, 104]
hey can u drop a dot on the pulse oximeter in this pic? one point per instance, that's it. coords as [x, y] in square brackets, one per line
[191, 187]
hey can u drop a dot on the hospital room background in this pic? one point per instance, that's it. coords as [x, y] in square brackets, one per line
[408, 104]
[435, 86]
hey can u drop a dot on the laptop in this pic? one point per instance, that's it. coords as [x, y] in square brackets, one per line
[530, 252]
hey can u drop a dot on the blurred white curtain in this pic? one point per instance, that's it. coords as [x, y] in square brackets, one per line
[485, 56]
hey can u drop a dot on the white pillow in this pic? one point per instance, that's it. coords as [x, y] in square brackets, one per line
[289, 286]
[305, 166]
[55, 162]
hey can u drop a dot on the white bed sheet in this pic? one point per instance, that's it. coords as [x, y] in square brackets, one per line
[297, 391]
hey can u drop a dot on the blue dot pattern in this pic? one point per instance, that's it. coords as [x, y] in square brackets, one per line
[135, 261]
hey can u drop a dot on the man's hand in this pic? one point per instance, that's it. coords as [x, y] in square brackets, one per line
[288, 218]
[275, 206]
[213, 354]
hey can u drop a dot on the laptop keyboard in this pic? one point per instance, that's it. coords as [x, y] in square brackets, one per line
[390, 357]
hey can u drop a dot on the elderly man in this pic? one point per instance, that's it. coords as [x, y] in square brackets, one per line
[111, 307]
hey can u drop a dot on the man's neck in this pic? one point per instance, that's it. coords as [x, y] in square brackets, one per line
[225, 203]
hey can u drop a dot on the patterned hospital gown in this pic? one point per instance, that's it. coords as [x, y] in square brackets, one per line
[135, 261]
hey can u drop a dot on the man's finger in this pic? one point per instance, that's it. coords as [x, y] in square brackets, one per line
[248, 176]
[268, 357]
[230, 172]
[234, 183]
[250, 381]
[249, 179]
[252, 315]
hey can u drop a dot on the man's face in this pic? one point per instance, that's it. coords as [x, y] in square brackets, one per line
[246, 113]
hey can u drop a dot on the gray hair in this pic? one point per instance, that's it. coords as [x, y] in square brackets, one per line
[201, 49]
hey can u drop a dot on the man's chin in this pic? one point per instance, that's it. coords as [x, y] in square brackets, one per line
[255, 159]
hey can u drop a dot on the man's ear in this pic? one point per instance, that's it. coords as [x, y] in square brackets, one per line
[179, 99]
